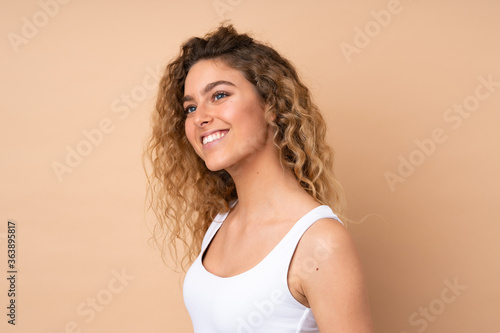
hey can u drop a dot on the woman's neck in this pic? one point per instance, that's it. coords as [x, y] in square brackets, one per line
[264, 187]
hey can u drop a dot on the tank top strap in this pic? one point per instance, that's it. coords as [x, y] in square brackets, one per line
[314, 215]
[215, 225]
[212, 229]
[295, 234]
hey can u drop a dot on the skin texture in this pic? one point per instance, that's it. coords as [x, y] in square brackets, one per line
[231, 105]
[334, 289]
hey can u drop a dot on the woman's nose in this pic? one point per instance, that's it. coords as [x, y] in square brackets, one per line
[202, 116]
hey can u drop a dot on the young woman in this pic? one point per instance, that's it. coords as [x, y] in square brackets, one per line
[242, 177]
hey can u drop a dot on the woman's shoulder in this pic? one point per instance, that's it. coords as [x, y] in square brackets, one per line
[331, 235]
[327, 240]
[335, 285]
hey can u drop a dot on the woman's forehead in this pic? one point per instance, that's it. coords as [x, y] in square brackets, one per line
[205, 72]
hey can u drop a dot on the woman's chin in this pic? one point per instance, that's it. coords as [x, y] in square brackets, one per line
[214, 166]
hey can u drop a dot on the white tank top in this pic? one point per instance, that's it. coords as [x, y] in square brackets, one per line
[257, 300]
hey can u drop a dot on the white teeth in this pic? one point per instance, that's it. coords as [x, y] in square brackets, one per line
[212, 137]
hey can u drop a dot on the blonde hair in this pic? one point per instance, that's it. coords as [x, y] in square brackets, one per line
[184, 195]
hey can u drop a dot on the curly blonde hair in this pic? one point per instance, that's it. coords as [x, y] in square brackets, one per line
[184, 195]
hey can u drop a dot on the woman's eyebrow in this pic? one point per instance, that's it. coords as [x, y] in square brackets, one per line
[209, 87]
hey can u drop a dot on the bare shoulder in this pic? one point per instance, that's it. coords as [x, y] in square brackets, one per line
[327, 245]
[335, 287]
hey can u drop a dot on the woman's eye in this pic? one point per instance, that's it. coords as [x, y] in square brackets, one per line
[218, 95]
[190, 109]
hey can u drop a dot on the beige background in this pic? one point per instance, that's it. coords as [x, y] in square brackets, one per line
[92, 63]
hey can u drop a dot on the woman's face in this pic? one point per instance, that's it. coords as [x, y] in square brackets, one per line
[225, 120]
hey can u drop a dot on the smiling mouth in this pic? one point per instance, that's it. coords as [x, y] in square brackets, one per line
[213, 137]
